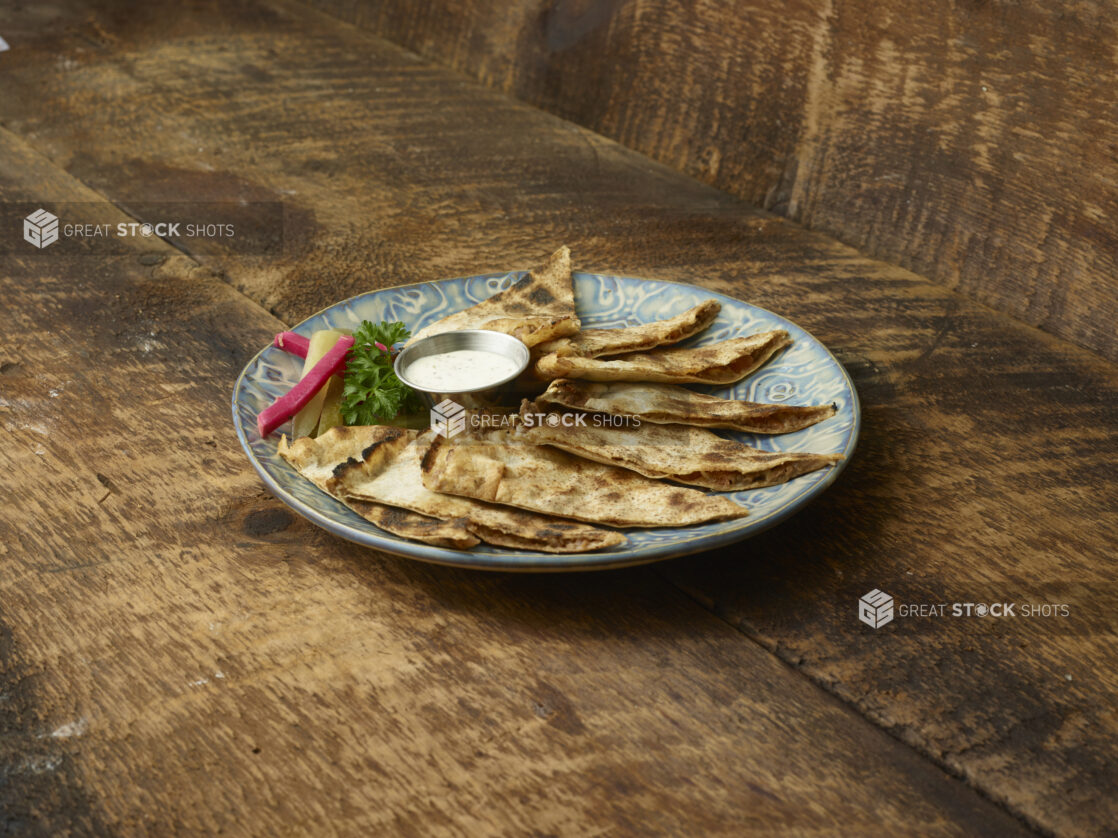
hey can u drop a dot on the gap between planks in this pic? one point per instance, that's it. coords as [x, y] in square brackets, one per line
[887, 728]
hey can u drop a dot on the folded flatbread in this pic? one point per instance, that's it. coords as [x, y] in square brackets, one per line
[716, 363]
[694, 456]
[501, 469]
[664, 404]
[317, 459]
[594, 343]
[538, 308]
[390, 474]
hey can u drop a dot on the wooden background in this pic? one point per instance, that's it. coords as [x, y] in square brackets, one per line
[975, 143]
[178, 653]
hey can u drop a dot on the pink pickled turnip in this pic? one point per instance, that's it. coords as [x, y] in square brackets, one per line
[292, 342]
[295, 399]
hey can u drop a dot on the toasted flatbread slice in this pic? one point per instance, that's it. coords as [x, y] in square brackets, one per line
[317, 459]
[538, 308]
[407, 524]
[594, 343]
[694, 456]
[665, 404]
[501, 469]
[716, 363]
[392, 475]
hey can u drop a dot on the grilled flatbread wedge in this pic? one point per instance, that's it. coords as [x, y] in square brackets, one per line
[594, 343]
[501, 469]
[716, 363]
[538, 308]
[664, 404]
[390, 474]
[406, 524]
[317, 459]
[694, 456]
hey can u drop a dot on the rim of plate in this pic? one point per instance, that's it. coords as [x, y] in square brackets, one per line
[514, 560]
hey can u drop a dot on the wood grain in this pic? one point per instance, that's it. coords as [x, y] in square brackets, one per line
[187, 656]
[970, 142]
[983, 471]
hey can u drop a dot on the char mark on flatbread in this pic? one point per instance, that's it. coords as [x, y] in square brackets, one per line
[453, 534]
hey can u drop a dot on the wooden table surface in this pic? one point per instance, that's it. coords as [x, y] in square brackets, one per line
[970, 142]
[178, 653]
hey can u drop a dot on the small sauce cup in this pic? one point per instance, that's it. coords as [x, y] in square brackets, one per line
[495, 394]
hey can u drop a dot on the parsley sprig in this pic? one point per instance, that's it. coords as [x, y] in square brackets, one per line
[372, 393]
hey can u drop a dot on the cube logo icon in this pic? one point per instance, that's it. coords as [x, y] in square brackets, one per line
[875, 609]
[40, 228]
[448, 418]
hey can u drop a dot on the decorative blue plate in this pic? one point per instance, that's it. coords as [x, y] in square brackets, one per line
[805, 373]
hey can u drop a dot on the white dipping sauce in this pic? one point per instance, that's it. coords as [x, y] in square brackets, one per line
[460, 370]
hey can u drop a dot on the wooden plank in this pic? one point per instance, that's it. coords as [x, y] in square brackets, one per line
[984, 465]
[181, 654]
[968, 142]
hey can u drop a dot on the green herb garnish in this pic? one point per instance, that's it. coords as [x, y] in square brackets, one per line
[372, 393]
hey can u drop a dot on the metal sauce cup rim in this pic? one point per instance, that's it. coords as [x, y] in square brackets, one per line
[399, 367]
